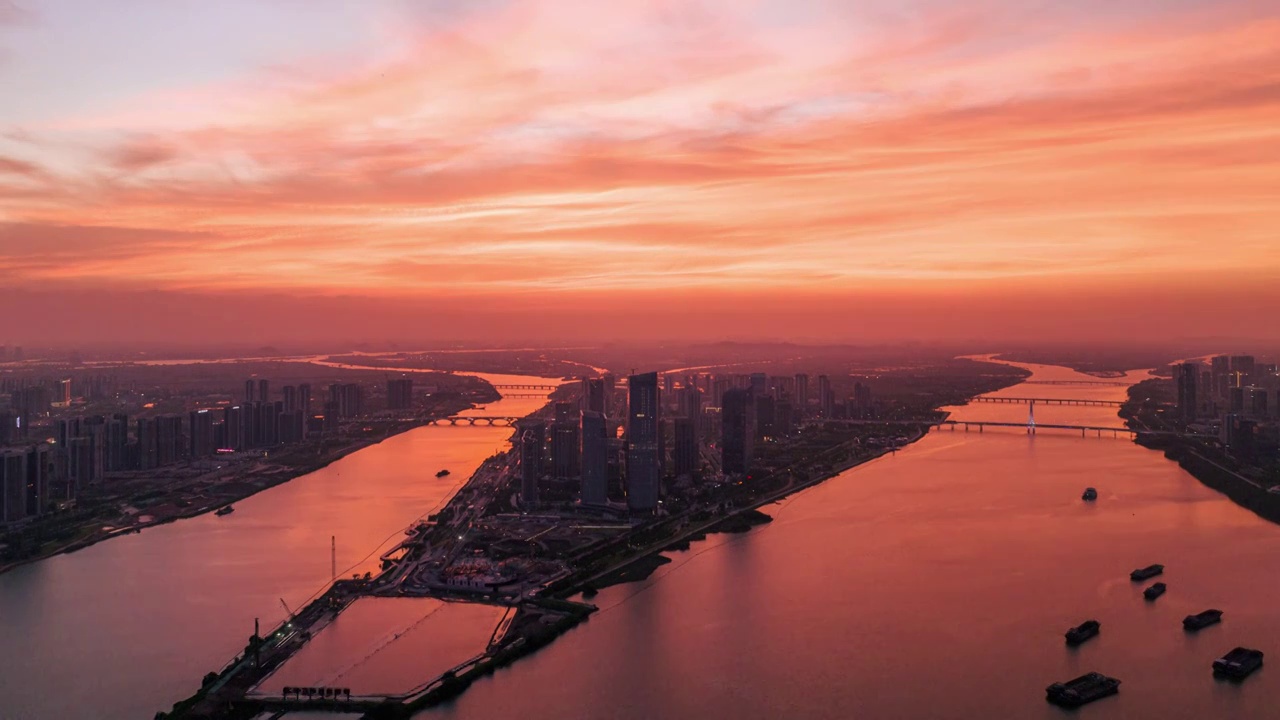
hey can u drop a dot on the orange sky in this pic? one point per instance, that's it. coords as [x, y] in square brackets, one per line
[896, 170]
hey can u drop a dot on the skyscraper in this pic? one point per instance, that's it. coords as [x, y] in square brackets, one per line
[802, 392]
[13, 485]
[289, 393]
[593, 395]
[304, 398]
[200, 433]
[264, 390]
[1242, 368]
[826, 399]
[37, 492]
[738, 431]
[644, 450]
[248, 390]
[595, 459]
[685, 452]
[400, 394]
[1187, 374]
[530, 463]
[564, 442]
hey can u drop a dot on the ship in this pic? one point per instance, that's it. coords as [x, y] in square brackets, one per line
[1090, 494]
[442, 473]
[1147, 572]
[1083, 690]
[1202, 620]
[1238, 663]
[1154, 591]
[1084, 631]
[226, 510]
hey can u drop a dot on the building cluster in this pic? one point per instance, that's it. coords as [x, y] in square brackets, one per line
[665, 430]
[47, 453]
[1234, 398]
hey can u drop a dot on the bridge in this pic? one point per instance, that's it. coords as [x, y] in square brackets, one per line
[494, 420]
[1044, 401]
[1111, 383]
[526, 387]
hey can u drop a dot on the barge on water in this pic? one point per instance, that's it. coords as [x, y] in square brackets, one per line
[1083, 690]
[1154, 591]
[1147, 572]
[1202, 620]
[1238, 664]
[1086, 630]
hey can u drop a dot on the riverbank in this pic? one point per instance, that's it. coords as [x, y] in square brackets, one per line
[1205, 461]
[238, 485]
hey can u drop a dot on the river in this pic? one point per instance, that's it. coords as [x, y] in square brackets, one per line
[127, 627]
[936, 583]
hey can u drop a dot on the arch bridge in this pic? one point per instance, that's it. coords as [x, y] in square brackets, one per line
[525, 387]
[487, 420]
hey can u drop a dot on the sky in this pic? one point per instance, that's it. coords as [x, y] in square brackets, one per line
[487, 170]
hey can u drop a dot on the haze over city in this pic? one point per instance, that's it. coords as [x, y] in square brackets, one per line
[276, 171]
[636, 359]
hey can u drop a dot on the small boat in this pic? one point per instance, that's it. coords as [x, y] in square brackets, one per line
[1147, 572]
[1202, 620]
[442, 473]
[1089, 494]
[226, 510]
[1238, 663]
[1084, 689]
[1154, 591]
[1084, 631]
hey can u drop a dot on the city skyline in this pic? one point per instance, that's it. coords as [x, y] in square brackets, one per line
[269, 171]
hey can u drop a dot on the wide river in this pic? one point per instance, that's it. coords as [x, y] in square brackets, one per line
[129, 626]
[934, 583]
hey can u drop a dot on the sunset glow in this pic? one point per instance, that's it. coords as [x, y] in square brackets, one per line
[733, 155]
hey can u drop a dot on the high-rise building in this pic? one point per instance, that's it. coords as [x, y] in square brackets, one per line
[1242, 369]
[759, 384]
[1220, 369]
[690, 404]
[8, 427]
[289, 394]
[826, 399]
[38, 472]
[64, 392]
[764, 416]
[737, 419]
[644, 443]
[593, 395]
[802, 392]
[400, 394]
[116, 453]
[595, 458]
[1187, 374]
[233, 428]
[304, 398]
[685, 450]
[348, 398]
[530, 463]
[248, 390]
[200, 437]
[13, 485]
[264, 390]
[565, 451]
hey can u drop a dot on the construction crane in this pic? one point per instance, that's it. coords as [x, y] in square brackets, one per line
[292, 614]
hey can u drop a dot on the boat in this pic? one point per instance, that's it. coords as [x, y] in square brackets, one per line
[1238, 663]
[442, 473]
[1154, 591]
[1083, 690]
[1090, 494]
[226, 510]
[1084, 631]
[1149, 571]
[1202, 620]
